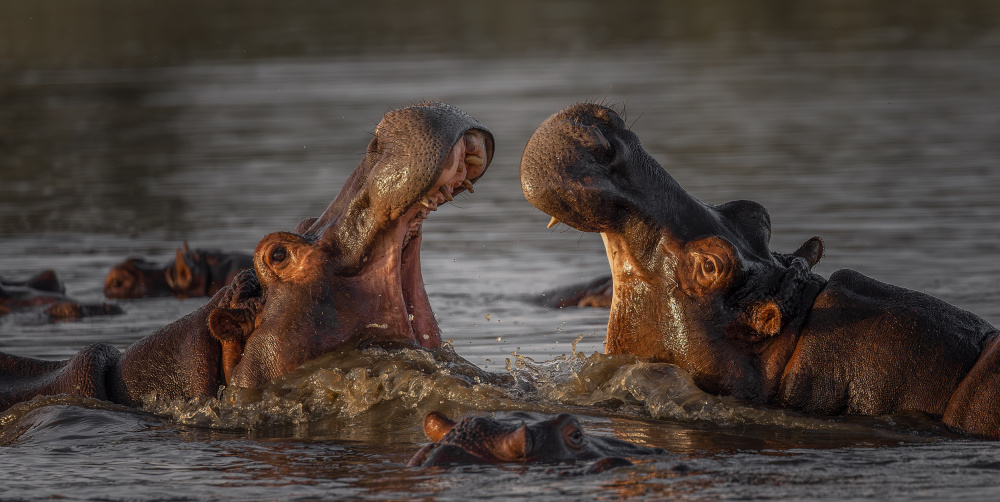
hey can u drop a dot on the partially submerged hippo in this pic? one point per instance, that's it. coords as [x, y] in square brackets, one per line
[696, 285]
[46, 293]
[521, 438]
[350, 276]
[201, 272]
[595, 293]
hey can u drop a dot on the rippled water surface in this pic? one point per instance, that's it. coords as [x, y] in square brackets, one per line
[876, 128]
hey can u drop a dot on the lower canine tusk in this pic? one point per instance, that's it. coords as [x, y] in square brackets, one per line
[552, 222]
[468, 186]
[446, 193]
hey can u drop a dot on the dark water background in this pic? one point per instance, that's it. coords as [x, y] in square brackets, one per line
[129, 127]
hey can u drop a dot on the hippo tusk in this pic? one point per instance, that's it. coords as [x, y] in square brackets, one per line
[474, 160]
[468, 185]
[552, 222]
[446, 193]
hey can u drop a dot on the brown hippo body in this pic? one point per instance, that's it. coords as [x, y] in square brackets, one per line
[696, 285]
[351, 276]
[520, 437]
[871, 348]
[193, 273]
[45, 293]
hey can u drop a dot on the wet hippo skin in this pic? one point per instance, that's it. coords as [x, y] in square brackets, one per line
[350, 276]
[521, 437]
[46, 293]
[696, 285]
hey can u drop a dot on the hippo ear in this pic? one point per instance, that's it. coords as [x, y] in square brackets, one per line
[811, 251]
[706, 265]
[514, 447]
[180, 274]
[436, 425]
[765, 318]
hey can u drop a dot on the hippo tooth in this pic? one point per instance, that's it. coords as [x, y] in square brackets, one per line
[474, 160]
[426, 203]
[552, 222]
[446, 193]
[468, 186]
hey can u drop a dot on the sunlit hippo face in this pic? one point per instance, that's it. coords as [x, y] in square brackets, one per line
[353, 274]
[693, 282]
[519, 438]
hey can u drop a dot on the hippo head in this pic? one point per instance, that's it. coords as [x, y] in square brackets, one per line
[519, 437]
[184, 277]
[136, 278]
[352, 275]
[694, 283]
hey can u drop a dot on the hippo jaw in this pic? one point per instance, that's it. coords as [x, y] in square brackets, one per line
[353, 275]
[694, 284]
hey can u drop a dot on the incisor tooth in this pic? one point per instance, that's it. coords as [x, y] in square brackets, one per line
[446, 193]
[425, 202]
[552, 222]
[474, 160]
[468, 186]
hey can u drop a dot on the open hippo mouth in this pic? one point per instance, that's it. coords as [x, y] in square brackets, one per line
[694, 283]
[353, 275]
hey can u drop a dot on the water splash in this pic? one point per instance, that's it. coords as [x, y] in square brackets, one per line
[627, 385]
[370, 385]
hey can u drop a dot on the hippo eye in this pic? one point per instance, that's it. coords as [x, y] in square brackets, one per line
[279, 254]
[574, 437]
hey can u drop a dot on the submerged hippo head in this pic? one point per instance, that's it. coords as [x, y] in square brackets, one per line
[694, 283]
[192, 273]
[519, 437]
[353, 275]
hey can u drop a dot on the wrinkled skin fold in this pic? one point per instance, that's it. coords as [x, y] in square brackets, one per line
[696, 285]
[350, 276]
[521, 437]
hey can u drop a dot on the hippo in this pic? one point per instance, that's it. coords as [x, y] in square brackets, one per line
[696, 285]
[45, 292]
[202, 272]
[520, 437]
[596, 293]
[350, 276]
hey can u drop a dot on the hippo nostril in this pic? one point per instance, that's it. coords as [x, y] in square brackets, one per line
[279, 254]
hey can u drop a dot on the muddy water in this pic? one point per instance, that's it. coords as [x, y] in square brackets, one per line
[881, 136]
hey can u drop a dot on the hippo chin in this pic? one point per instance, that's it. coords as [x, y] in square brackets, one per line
[193, 273]
[47, 294]
[521, 438]
[351, 275]
[696, 285]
